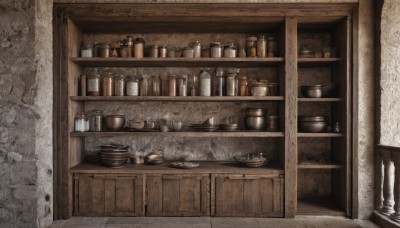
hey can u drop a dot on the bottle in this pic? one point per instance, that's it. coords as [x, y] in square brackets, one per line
[196, 49]
[108, 85]
[205, 83]
[219, 83]
[144, 86]
[119, 87]
[251, 46]
[155, 84]
[230, 84]
[193, 84]
[182, 87]
[172, 85]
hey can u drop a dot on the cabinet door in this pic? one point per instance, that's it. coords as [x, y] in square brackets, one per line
[108, 195]
[248, 195]
[178, 195]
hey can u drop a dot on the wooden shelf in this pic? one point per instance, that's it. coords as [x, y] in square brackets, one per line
[181, 134]
[311, 62]
[178, 62]
[319, 135]
[318, 206]
[180, 99]
[319, 166]
[302, 99]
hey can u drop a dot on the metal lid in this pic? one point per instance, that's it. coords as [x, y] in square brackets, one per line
[312, 118]
[215, 44]
[103, 45]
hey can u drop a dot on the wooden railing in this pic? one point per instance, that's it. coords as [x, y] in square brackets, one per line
[387, 200]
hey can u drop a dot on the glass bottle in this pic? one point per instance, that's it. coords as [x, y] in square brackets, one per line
[243, 86]
[93, 85]
[108, 85]
[119, 87]
[155, 84]
[132, 87]
[193, 84]
[144, 86]
[219, 83]
[261, 47]
[205, 83]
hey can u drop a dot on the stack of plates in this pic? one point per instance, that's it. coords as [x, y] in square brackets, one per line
[202, 127]
[253, 162]
[229, 127]
[114, 155]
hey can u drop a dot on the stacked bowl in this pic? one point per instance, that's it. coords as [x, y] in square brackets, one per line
[114, 155]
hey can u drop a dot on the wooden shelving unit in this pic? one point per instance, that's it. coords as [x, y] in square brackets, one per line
[294, 26]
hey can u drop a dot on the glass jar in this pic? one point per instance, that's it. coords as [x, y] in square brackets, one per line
[103, 50]
[193, 84]
[230, 51]
[172, 85]
[219, 83]
[216, 50]
[153, 51]
[144, 86]
[119, 87]
[132, 87]
[230, 84]
[205, 83]
[196, 49]
[258, 89]
[188, 52]
[155, 84]
[243, 86]
[261, 47]
[87, 50]
[272, 47]
[273, 123]
[251, 46]
[81, 123]
[273, 89]
[162, 51]
[182, 86]
[108, 85]
[95, 120]
[93, 85]
[138, 48]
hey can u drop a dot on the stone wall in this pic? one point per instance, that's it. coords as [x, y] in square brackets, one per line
[25, 113]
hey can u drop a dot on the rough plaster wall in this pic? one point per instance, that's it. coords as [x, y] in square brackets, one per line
[25, 114]
[366, 111]
[390, 74]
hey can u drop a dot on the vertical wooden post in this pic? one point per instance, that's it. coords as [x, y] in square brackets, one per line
[291, 82]
[388, 201]
[396, 215]
[378, 181]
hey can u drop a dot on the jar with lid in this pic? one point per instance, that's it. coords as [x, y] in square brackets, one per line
[251, 46]
[162, 51]
[95, 120]
[138, 48]
[153, 53]
[216, 50]
[132, 87]
[243, 88]
[188, 52]
[193, 84]
[119, 83]
[273, 123]
[81, 123]
[87, 50]
[219, 83]
[144, 86]
[230, 51]
[272, 47]
[327, 52]
[261, 47]
[103, 50]
[259, 89]
[205, 83]
[172, 85]
[108, 85]
[93, 85]
[196, 49]
[273, 89]
[155, 84]
[182, 86]
[231, 84]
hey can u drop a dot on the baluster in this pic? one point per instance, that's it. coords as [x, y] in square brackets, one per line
[388, 178]
[378, 182]
[396, 215]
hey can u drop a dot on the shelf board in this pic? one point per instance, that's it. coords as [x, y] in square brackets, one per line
[317, 61]
[180, 134]
[319, 135]
[318, 206]
[178, 98]
[302, 99]
[178, 62]
[319, 166]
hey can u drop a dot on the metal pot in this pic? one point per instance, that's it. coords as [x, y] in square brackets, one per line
[114, 122]
[314, 91]
[257, 112]
[254, 122]
[312, 124]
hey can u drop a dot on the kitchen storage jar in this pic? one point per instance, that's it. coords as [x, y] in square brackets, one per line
[243, 89]
[93, 85]
[108, 85]
[231, 84]
[272, 47]
[119, 87]
[87, 50]
[182, 86]
[81, 123]
[205, 83]
[261, 47]
[219, 83]
[188, 52]
[259, 89]
[216, 50]
[273, 89]
[196, 49]
[312, 124]
[193, 84]
[273, 123]
[255, 112]
[95, 120]
[162, 51]
[327, 52]
[314, 91]
[155, 85]
[230, 51]
[251, 46]
[153, 52]
[172, 85]
[103, 50]
[132, 87]
[144, 86]
[138, 46]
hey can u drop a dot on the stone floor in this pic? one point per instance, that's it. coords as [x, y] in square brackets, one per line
[207, 222]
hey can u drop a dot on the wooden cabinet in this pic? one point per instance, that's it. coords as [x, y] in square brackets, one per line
[108, 195]
[248, 195]
[178, 195]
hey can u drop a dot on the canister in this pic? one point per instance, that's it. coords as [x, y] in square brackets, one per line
[273, 123]
[230, 51]
[261, 47]
[196, 49]
[272, 47]
[162, 51]
[144, 86]
[188, 52]
[95, 120]
[219, 83]
[132, 87]
[108, 85]
[230, 84]
[138, 48]
[119, 85]
[216, 50]
[172, 85]
[251, 46]
[153, 51]
[103, 50]
[155, 84]
[93, 85]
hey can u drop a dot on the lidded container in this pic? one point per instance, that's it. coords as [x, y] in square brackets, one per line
[103, 50]
[219, 83]
[251, 46]
[259, 89]
[272, 47]
[205, 83]
[182, 86]
[108, 85]
[215, 50]
[193, 84]
[87, 50]
[162, 52]
[119, 85]
[96, 120]
[153, 51]
[155, 84]
[132, 87]
[188, 52]
[261, 47]
[243, 89]
[196, 49]
[172, 85]
[144, 86]
[231, 84]
[230, 51]
[81, 123]
[138, 46]
[93, 85]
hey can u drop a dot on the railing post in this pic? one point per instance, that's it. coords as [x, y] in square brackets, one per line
[396, 215]
[378, 181]
[388, 178]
